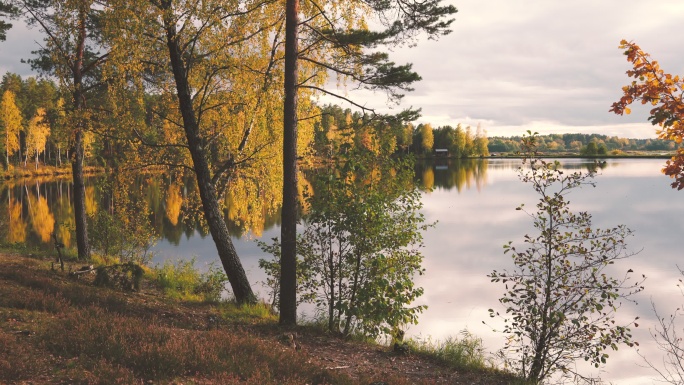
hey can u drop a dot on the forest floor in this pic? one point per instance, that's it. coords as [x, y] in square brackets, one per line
[57, 329]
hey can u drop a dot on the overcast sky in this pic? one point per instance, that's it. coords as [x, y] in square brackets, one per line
[544, 65]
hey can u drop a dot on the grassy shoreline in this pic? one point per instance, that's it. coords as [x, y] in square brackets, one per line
[55, 328]
[30, 171]
[19, 172]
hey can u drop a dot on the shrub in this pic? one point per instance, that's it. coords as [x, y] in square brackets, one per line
[560, 299]
[360, 247]
[183, 281]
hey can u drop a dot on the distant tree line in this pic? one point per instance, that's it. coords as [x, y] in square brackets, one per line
[459, 141]
[33, 127]
[341, 129]
[585, 144]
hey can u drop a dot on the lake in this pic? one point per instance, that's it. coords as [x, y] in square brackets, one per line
[473, 203]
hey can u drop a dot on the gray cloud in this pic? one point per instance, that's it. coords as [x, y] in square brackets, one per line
[511, 65]
[20, 42]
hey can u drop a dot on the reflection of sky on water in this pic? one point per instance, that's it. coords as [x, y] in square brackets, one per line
[474, 207]
[473, 224]
[204, 250]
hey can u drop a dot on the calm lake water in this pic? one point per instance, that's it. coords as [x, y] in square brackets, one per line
[474, 205]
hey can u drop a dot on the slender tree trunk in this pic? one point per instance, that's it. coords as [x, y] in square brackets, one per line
[354, 289]
[541, 349]
[19, 150]
[212, 213]
[81, 221]
[331, 272]
[288, 260]
[340, 288]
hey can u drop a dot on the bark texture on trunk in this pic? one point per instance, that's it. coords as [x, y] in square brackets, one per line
[288, 260]
[212, 212]
[81, 218]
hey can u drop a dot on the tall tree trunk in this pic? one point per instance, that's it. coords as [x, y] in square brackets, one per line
[288, 260]
[80, 214]
[81, 222]
[212, 213]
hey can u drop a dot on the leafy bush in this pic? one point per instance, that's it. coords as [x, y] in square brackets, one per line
[360, 247]
[183, 281]
[560, 299]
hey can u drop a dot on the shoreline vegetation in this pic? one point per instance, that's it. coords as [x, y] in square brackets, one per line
[58, 327]
[21, 172]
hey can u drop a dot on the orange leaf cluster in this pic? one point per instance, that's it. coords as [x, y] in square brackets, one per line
[651, 85]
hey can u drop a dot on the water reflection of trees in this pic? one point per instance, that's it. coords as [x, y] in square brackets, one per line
[448, 174]
[42, 220]
[31, 210]
[28, 209]
[17, 225]
[457, 174]
[578, 164]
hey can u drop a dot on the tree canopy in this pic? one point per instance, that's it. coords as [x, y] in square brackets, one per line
[6, 10]
[663, 91]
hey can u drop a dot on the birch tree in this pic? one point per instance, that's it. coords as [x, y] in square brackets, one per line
[37, 134]
[216, 67]
[10, 122]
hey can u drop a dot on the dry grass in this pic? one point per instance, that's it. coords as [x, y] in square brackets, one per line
[54, 329]
[58, 330]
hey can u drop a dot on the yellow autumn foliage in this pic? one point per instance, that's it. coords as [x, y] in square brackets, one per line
[428, 179]
[90, 201]
[37, 134]
[10, 123]
[173, 203]
[42, 220]
[17, 225]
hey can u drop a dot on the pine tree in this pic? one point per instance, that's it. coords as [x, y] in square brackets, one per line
[6, 10]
